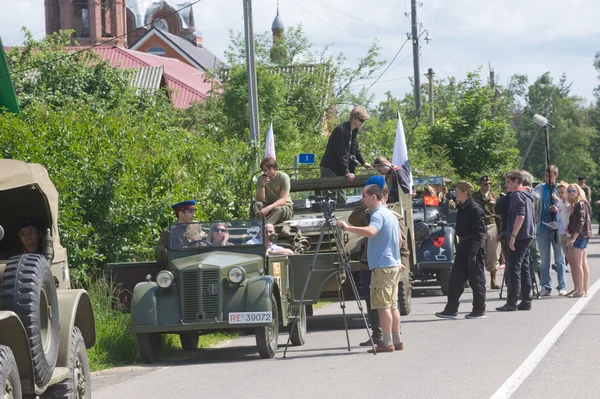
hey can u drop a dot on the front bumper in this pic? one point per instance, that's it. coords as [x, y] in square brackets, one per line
[422, 266]
[219, 325]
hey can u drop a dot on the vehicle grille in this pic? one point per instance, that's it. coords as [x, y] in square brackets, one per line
[200, 303]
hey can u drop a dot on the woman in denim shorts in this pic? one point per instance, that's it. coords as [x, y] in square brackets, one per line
[564, 211]
[580, 230]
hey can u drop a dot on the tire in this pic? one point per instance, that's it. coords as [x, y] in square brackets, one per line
[78, 385]
[405, 295]
[189, 340]
[445, 280]
[267, 337]
[28, 289]
[149, 345]
[298, 335]
[10, 383]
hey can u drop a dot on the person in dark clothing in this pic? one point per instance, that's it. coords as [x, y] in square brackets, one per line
[394, 176]
[342, 154]
[501, 209]
[521, 227]
[469, 261]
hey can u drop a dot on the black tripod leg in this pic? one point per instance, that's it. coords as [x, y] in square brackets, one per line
[305, 288]
[343, 304]
[534, 283]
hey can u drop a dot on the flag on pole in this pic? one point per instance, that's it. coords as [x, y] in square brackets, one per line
[400, 156]
[270, 145]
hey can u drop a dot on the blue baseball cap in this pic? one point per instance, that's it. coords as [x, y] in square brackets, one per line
[377, 179]
[189, 204]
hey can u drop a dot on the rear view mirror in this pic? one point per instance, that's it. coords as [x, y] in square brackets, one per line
[1, 233]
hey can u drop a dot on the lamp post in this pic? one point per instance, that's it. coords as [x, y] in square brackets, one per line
[252, 89]
[543, 122]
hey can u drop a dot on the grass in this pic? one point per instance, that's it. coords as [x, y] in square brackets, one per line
[115, 346]
[324, 302]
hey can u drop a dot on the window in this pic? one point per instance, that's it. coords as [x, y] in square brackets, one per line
[161, 24]
[156, 51]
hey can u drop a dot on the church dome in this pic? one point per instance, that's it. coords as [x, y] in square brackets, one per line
[143, 10]
[277, 22]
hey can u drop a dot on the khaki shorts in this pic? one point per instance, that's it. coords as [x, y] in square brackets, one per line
[384, 287]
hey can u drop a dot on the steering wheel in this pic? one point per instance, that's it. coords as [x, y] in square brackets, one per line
[196, 242]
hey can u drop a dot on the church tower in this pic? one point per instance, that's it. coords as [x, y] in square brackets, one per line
[278, 52]
[93, 21]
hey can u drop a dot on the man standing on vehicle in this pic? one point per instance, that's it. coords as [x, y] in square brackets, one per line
[182, 235]
[487, 201]
[342, 154]
[394, 176]
[470, 256]
[521, 227]
[273, 202]
[545, 235]
[383, 253]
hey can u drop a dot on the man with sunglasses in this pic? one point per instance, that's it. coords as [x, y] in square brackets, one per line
[342, 154]
[487, 201]
[182, 234]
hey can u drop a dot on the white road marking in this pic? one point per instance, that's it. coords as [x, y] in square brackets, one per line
[516, 379]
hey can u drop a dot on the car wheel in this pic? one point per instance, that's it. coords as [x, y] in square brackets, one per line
[405, 295]
[298, 336]
[10, 383]
[29, 290]
[78, 385]
[445, 280]
[149, 346]
[189, 340]
[267, 337]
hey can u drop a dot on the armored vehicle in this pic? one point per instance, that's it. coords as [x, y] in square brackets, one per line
[302, 232]
[45, 326]
[207, 288]
[434, 234]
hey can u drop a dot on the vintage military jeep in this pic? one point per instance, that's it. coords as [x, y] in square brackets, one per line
[45, 326]
[434, 234]
[207, 288]
[302, 232]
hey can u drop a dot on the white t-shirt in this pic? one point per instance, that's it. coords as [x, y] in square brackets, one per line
[564, 211]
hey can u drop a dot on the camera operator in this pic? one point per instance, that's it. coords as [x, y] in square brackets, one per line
[383, 254]
[342, 154]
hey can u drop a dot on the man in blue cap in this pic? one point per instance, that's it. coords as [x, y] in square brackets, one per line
[182, 236]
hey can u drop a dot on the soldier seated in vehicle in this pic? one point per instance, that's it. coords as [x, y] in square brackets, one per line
[272, 248]
[30, 236]
[182, 235]
[273, 201]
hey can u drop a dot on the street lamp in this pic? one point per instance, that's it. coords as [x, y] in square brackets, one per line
[543, 122]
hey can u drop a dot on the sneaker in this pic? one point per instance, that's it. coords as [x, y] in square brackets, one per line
[382, 348]
[524, 306]
[368, 342]
[545, 292]
[446, 315]
[475, 315]
[399, 346]
[507, 308]
[562, 292]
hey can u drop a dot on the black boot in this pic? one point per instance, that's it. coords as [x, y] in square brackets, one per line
[507, 308]
[377, 335]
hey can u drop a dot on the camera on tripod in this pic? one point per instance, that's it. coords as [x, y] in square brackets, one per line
[323, 204]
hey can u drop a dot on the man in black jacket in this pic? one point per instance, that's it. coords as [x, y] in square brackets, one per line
[342, 154]
[470, 256]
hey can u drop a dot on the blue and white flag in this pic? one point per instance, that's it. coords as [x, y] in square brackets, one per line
[270, 145]
[400, 156]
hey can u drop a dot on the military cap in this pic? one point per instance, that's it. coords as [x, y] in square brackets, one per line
[27, 222]
[581, 178]
[484, 179]
[377, 180]
[465, 186]
[189, 204]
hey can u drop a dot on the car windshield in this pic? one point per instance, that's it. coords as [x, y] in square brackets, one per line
[216, 233]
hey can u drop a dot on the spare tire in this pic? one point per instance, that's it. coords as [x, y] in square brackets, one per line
[28, 289]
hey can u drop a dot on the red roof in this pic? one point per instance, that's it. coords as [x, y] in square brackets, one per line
[186, 82]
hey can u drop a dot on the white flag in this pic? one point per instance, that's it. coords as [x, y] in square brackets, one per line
[270, 146]
[400, 156]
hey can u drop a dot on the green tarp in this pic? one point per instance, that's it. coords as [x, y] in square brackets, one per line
[8, 97]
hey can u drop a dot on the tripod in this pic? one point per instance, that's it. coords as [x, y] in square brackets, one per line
[534, 285]
[329, 225]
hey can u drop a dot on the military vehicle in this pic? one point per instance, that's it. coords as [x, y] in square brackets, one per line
[206, 288]
[302, 232]
[434, 234]
[45, 326]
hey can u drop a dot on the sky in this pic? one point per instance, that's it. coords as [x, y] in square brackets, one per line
[513, 36]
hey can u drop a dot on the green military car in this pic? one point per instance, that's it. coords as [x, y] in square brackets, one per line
[207, 288]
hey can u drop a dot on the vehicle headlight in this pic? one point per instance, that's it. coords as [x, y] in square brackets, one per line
[236, 274]
[164, 279]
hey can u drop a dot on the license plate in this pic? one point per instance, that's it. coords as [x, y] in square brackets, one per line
[250, 317]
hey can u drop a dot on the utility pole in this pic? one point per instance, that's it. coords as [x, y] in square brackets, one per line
[431, 106]
[493, 84]
[415, 43]
[252, 89]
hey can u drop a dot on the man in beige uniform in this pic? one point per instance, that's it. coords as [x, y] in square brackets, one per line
[273, 202]
[487, 202]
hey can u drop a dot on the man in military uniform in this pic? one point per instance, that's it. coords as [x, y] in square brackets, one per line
[182, 235]
[470, 255]
[586, 189]
[487, 201]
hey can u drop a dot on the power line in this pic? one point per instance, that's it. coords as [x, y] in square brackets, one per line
[440, 40]
[103, 43]
[383, 81]
[401, 62]
[388, 65]
[348, 15]
[329, 24]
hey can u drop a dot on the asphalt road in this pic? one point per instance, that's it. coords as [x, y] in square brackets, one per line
[549, 352]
